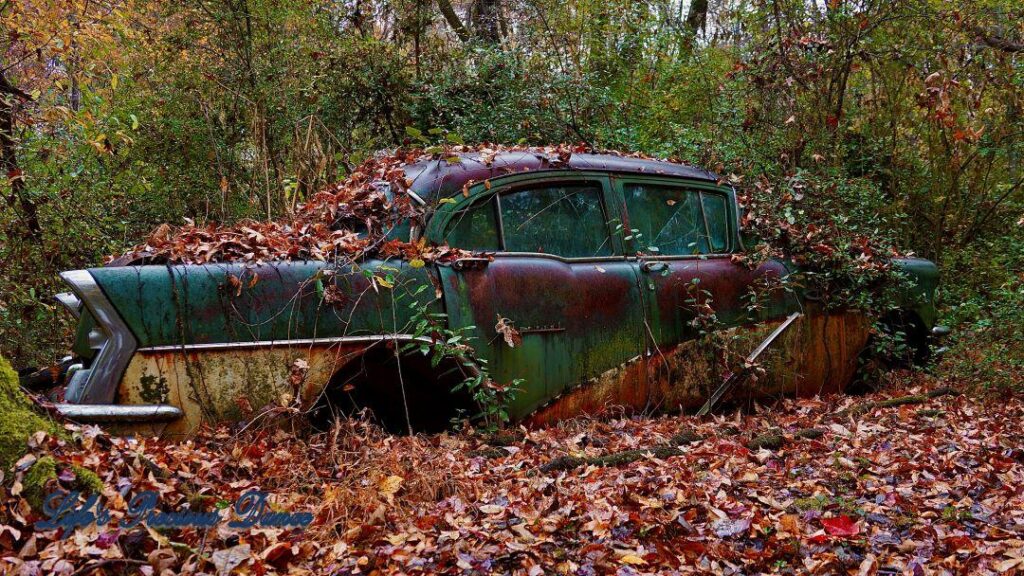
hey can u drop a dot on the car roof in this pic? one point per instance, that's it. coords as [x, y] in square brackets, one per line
[441, 178]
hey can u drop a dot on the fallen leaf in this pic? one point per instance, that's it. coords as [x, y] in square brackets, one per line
[727, 528]
[841, 525]
[230, 558]
[390, 486]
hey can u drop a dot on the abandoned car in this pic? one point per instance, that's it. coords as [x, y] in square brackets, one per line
[606, 277]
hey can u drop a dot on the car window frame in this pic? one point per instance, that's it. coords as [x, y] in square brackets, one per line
[733, 246]
[487, 191]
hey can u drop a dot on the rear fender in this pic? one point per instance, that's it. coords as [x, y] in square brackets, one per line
[218, 340]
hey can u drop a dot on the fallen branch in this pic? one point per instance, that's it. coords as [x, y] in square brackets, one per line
[88, 568]
[666, 450]
[771, 440]
[902, 401]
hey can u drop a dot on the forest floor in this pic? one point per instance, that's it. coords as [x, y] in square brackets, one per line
[916, 479]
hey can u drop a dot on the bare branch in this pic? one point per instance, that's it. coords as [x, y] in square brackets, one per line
[998, 42]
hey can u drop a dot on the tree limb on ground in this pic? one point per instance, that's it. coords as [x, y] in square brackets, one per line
[771, 440]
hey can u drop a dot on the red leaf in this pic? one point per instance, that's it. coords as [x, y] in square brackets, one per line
[841, 525]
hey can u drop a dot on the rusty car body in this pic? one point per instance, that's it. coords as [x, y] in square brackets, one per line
[615, 272]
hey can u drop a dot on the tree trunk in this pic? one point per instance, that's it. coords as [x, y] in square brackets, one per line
[486, 16]
[697, 17]
[17, 199]
[453, 19]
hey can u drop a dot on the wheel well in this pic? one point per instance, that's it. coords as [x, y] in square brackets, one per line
[915, 332]
[399, 391]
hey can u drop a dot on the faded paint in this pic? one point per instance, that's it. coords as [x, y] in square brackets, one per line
[213, 386]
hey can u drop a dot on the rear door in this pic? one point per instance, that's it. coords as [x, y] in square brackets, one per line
[559, 276]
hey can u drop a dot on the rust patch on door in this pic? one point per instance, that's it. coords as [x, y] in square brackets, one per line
[817, 355]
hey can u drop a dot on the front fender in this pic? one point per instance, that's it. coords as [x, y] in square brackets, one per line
[917, 295]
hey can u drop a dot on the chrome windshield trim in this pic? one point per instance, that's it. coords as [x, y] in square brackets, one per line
[107, 368]
[87, 413]
[374, 339]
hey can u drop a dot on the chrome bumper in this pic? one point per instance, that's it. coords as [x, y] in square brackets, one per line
[114, 413]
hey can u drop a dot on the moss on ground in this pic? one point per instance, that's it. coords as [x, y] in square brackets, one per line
[18, 420]
[86, 480]
[39, 477]
[771, 441]
[42, 478]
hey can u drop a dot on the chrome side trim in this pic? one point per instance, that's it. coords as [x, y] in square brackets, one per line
[99, 386]
[375, 339]
[466, 362]
[71, 302]
[88, 413]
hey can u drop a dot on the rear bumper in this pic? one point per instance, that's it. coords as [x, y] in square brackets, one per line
[119, 413]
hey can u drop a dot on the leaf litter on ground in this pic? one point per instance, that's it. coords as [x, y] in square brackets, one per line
[881, 491]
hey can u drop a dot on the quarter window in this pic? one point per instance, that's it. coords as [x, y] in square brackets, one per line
[567, 220]
[716, 214]
[475, 227]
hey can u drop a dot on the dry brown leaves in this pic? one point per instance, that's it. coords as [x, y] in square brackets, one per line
[322, 229]
[326, 227]
[933, 488]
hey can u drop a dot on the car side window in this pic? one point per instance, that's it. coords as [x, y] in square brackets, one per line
[666, 219]
[716, 214]
[566, 220]
[475, 227]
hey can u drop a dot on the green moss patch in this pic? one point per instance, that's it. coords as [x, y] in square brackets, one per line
[18, 419]
[40, 479]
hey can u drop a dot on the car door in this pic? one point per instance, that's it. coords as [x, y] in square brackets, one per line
[558, 275]
[682, 237]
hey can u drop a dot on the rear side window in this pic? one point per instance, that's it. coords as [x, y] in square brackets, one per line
[567, 220]
[666, 219]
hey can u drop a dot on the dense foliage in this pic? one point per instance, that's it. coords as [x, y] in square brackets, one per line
[899, 121]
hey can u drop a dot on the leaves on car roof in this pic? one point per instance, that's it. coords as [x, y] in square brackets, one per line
[350, 219]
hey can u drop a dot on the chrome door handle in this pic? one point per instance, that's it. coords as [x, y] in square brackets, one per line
[653, 266]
